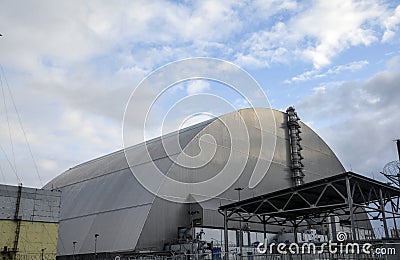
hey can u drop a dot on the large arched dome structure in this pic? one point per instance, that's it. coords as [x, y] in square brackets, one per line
[103, 197]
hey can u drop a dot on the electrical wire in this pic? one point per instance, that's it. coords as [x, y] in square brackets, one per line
[11, 165]
[9, 129]
[21, 125]
[14, 166]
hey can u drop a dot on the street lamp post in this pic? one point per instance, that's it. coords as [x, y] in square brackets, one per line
[73, 249]
[240, 225]
[217, 242]
[43, 253]
[95, 245]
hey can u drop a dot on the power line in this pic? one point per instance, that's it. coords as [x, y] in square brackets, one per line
[11, 165]
[22, 126]
[9, 131]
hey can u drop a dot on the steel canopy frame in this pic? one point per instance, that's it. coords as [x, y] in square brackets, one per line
[339, 195]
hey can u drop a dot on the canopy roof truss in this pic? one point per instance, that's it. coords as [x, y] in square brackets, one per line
[345, 195]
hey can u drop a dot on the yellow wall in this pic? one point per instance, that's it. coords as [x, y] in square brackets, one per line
[33, 237]
[7, 234]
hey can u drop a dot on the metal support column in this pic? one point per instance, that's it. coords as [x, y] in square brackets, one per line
[226, 235]
[265, 229]
[382, 206]
[240, 225]
[17, 219]
[350, 204]
[396, 231]
[333, 228]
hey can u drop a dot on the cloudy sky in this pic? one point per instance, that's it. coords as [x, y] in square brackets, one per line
[72, 65]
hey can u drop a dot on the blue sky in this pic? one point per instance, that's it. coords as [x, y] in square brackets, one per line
[71, 67]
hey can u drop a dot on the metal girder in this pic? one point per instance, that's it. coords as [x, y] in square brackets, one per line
[346, 194]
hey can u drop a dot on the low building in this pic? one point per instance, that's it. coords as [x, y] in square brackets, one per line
[28, 222]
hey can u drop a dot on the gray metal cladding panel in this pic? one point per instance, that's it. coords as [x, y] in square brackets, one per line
[35, 204]
[210, 169]
[212, 218]
[49, 199]
[7, 209]
[7, 213]
[277, 177]
[319, 165]
[282, 155]
[246, 137]
[117, 161]
[161, 165]
[281, 124]
[258, 138]
[28, 204]
[40, 218]
[73, 230]
[52, 214]
[28, 195]
[118, 231]
[8, 191]
[213, 203]
[144, 153]
[267, 118]
[8, 202]
[98, 167]
[105, 193]
[167, 146]
[162, 224]
[315, 142]
[40, 210]
[27, 209]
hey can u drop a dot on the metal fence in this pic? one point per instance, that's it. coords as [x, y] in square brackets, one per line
[322, 256]
[27, 256]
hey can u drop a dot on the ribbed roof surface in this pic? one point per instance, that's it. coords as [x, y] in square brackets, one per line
[103, 196]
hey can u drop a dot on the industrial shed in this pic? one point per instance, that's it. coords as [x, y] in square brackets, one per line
[103, 197]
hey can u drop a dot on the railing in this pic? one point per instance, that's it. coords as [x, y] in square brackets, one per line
[251, 253]
[322, 256]
[34, 256]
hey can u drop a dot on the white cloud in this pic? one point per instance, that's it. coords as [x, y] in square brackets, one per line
[320, 73]
[335, 26]
[352, 66]
[197, 86]
[304, 76]
[321, 89]
[47, 164]
[358, 119]
[73, 65]
[318, 32]
[391, 24]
